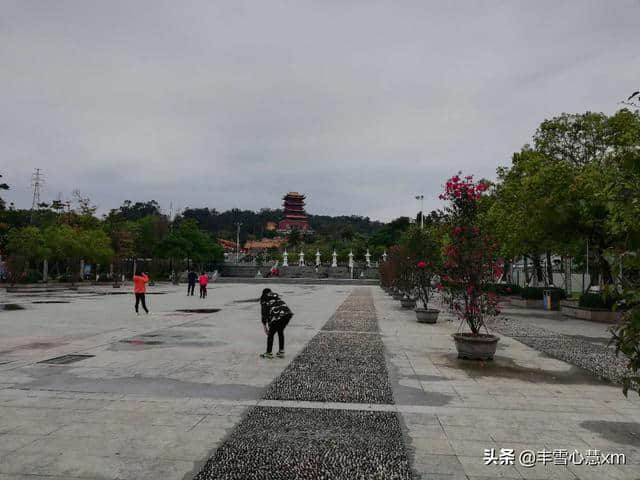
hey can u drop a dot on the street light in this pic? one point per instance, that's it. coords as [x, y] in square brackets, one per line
[421, 198]
[238, 242]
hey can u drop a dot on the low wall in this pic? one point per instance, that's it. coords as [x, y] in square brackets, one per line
[294, 271]
[573, 310]
[526, 303]
[299, 281]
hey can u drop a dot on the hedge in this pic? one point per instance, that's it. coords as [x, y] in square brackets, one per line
[536, 293]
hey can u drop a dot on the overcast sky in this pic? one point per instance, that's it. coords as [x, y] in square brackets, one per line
[359, 104]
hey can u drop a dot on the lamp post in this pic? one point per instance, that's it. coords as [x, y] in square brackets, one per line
[421, 198]
[238, 241]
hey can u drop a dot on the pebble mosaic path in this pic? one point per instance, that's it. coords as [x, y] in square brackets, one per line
[343, 363]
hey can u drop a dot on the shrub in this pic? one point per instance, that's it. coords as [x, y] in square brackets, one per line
[536, 293]
[598, 300]
[33, 276]
[532, 293]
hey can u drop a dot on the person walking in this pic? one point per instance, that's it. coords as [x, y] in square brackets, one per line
[203, 280]
[275, 317]
[191, 282]
[139, 289]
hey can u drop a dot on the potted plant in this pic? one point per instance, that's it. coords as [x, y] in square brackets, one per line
[470, 262]
[423, 277]
[408, 302]
[406, 276]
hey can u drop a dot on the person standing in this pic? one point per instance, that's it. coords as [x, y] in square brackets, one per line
[203, 280]
[191, 279]
[275, 317]
[139, 289]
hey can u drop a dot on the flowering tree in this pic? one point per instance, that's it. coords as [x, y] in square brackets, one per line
[470, 254]
[422, 249]
[424, 274]
[389, 269]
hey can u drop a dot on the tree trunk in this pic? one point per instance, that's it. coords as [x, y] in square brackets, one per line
[526, 271]
[549, 269]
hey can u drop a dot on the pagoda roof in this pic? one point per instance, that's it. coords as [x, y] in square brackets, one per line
[294, 195]
[295, 216]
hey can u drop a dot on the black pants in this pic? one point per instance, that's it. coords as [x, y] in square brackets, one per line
[203, 291]
[191, 288]
[278, 327]
[140, 298]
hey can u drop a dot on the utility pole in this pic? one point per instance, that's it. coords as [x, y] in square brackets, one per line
[37, 179]
[421, 198]
[238, 242]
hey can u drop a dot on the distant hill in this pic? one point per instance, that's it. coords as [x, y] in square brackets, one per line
[223, 224]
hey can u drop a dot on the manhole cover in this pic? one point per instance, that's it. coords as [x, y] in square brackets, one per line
[51, 301]
[64, 359]
[10, 306]
[198, 310]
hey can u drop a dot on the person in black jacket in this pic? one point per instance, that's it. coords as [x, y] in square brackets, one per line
[275, 317]
[191, 279]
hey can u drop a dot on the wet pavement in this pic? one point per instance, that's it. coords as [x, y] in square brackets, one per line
[161, 395]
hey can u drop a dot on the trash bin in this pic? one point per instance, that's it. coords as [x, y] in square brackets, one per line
[551, 299]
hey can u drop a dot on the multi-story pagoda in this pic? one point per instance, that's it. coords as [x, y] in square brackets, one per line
[294, 214]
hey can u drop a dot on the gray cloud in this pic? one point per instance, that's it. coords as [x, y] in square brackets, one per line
[229, 104]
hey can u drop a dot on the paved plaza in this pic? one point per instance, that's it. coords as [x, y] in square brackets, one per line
[364, 392]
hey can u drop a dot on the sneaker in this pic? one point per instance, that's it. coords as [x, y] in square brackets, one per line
[266, 355]
[280, 354]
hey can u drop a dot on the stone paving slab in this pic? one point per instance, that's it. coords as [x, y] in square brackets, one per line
[447, 411]
[522, 400]
[285, 441]
[137, 411]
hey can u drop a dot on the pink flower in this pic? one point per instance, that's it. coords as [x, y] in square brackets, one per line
[422, 264]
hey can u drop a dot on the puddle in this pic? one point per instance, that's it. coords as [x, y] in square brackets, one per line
[430, 378]
[166, 339]
[198, 310]
[624, 433]
[404, 395]
[502, 367]
[142, 342]
[66, 359]
[10, 307]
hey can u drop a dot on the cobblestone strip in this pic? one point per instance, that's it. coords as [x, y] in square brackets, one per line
[340, 367]
[596, 358]
[282, 443]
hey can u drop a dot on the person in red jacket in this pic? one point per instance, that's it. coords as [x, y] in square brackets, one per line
[139, 289]
[203, 280]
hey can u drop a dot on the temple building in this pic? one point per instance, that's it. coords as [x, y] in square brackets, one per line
[295, 217]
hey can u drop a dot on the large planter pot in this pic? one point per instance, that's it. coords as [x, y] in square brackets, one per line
[476, 347]
[397, 296]
[427, 315]
[408, 303]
